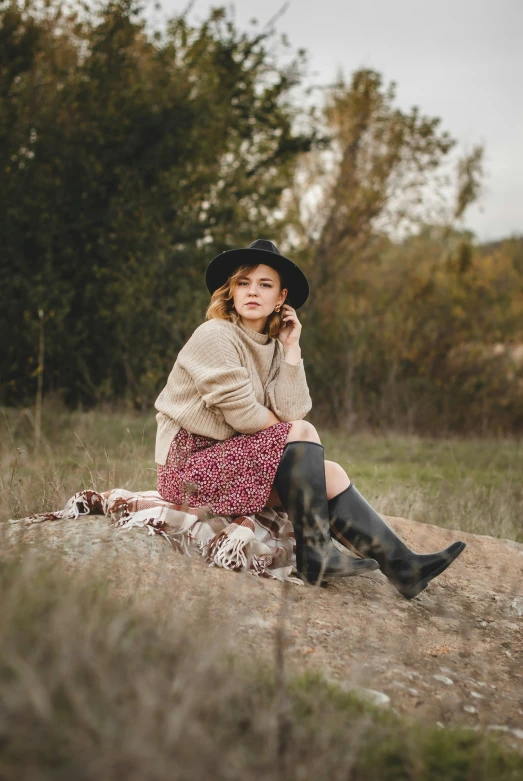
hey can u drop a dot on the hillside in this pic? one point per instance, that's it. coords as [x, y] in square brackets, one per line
[453, 655]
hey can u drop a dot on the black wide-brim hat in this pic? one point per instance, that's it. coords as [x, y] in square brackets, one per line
[260, 251]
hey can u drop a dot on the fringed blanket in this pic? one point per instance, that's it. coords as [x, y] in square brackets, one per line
[261, 543]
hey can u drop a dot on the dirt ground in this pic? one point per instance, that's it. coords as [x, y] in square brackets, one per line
[451, 655]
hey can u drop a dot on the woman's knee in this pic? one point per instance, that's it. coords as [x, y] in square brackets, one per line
[336, 479]
[304, 431]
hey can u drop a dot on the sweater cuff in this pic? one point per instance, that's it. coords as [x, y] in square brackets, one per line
[292, 369]
[283, 361]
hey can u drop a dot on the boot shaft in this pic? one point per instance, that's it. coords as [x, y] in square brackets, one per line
[301, 486]
[354, 521]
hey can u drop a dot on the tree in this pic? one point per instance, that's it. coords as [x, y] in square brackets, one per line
[375, 183]
[130, 159]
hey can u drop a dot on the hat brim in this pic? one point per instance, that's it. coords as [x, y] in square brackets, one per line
[222, 266]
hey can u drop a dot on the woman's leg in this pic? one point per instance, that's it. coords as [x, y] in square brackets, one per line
[358, 526]
[301, 486]
[335, 476]
[361, 529]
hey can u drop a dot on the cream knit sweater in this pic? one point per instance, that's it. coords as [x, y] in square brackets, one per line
[223, 382]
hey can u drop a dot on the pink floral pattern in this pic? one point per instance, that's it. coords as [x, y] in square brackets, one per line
[233, 476]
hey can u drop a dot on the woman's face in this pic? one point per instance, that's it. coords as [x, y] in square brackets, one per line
[262, 287]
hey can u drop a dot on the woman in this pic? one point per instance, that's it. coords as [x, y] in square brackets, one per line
[231, 433]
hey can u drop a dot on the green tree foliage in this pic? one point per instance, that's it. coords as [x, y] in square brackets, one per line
[128, 160]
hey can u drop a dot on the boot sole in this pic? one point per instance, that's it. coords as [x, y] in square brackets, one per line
[359, 569]
[413, 591]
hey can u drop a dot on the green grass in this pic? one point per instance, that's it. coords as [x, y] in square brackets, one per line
[392, 459]
[469, 484]
[92, 688]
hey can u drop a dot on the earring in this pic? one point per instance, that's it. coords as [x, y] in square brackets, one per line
[277, 307]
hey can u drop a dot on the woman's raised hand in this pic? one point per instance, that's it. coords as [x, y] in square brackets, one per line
[290, 332]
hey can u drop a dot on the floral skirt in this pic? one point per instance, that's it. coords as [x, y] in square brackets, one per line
[233, 476]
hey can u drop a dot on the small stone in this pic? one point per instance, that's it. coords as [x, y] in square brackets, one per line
[518, 733]
[469, 709]
[257, 621]
[515, 606]
[373, 696]
[414, 692]
[443, 679]
[477, 695]
[498, 728]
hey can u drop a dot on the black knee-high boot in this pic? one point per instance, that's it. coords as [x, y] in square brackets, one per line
[300, 483]
[354, 521]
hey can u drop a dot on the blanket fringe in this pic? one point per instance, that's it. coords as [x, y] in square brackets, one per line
[228, 549]
[178, 539]
[252, 543]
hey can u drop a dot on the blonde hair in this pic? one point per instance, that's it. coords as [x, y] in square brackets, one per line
[222, 303]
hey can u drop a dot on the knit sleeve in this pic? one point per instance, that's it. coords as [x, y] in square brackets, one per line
[223, 383]
[287, 393]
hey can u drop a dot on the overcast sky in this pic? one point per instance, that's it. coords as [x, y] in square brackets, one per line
[461, 60]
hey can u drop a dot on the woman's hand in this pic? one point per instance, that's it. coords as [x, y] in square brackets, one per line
[290, 332]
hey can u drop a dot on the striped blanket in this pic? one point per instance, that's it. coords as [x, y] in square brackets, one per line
[261, 543]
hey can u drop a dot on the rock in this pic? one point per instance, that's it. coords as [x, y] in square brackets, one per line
[370, 695]
[515, 606]
[518, 733]
[477, 695]
[469, 709]
[358, 632]
[257, 621]
[443, 679]
[373, 696]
